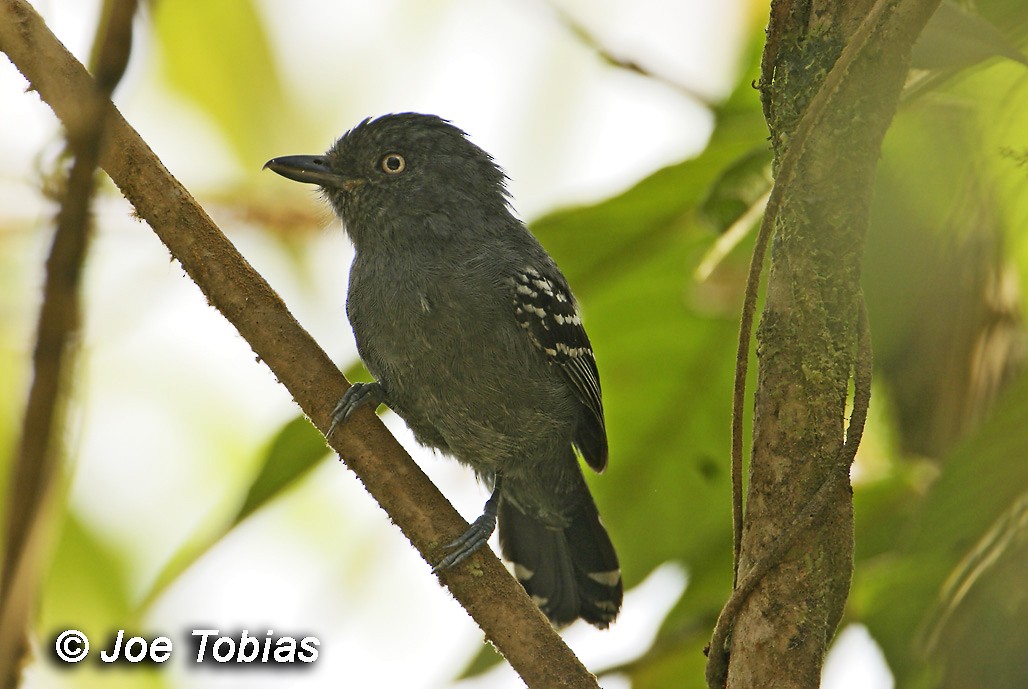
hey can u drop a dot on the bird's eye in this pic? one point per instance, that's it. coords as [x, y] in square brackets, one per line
[393, 164]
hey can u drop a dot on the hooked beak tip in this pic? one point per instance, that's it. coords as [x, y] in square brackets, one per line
[305, 168]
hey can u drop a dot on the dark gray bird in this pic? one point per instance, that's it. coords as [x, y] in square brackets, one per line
[475, 340]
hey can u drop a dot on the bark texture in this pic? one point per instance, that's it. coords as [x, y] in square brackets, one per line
[832, 74]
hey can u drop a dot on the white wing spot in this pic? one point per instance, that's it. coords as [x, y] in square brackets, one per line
[524, 289]
[544, 285]
[571, 351]
[522, 573]
[610, 578]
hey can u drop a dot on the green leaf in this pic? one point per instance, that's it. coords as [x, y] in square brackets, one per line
[357, 372]
[737, 189]
[973, 521]
[291, 454]
[86, 590]
[940, 565]
[678, 664]
[660, 210]
[85, 584]
[297, 448]
[955, 38]
[486, 659]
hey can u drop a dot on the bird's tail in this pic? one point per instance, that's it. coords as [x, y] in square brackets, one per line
[571, 572]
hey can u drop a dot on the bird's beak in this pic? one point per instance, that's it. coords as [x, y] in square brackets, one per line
[310, 169]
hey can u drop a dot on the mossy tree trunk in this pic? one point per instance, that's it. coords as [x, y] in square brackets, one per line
[832, 75]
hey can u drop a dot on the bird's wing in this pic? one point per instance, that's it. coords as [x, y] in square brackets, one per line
[546, 309]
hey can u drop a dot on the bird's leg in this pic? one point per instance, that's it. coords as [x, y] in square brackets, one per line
[476, 535]
[357, 395]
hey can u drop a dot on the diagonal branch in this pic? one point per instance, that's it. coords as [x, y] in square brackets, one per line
[490, 595]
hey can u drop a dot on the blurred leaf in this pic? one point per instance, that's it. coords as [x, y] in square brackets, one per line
[681, 666]
[216, 54]
[357, 372]
[938, 275]
[737, 188]
[86, 590]
[941, 278]
[959, 43]
[955, 38]
[296, 449]
[85, 584]
[291, 454]
[658, 211]
[734, 206]
[881, 505]
[984, 481]
[484, 660]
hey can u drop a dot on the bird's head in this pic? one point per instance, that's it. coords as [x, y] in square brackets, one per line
[402, 172]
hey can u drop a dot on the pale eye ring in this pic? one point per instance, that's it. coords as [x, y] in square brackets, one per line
[392, 163]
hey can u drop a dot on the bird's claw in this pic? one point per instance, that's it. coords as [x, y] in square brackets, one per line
[465, 545]
[477, 535]
[356, 396]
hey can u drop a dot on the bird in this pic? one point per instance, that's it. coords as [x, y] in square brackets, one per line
[475, 340]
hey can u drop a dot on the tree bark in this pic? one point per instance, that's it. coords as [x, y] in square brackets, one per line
[832, 75]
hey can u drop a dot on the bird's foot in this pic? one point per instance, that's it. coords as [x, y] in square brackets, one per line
[356, 396]
[475, 537]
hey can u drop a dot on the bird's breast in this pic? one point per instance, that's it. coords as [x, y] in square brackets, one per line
[403, 312]
[455, 363]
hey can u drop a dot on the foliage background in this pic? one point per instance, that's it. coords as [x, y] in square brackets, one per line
[194, 497]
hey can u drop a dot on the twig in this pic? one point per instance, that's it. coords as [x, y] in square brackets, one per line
[587, 38]
[37, 457]
[768, 59]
